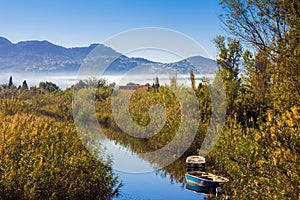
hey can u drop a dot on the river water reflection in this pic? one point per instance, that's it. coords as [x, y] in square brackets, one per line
[153, 186]
[166, 183]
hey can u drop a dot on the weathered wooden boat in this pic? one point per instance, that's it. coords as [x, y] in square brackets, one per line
[204, 179]
[195, 162]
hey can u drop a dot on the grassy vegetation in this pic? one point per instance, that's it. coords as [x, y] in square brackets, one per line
[41, 154]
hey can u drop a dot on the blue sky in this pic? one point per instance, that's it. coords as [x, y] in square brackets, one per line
[79, 23]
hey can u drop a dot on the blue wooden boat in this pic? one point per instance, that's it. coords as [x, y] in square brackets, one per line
[204, 179]
[195, 162]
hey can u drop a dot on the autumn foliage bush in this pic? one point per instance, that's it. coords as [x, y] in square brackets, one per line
[42, 157]
[261, 163]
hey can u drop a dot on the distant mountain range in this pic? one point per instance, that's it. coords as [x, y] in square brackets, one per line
[43, 56]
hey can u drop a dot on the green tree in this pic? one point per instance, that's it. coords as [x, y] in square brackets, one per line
[48, 86]
[260, 23]
[229, 60]
[255, 92]
[192, 77]
[272, 27]
[24, 85]
[286, 68]
[132, 83]
[173, 80]
[10, 83]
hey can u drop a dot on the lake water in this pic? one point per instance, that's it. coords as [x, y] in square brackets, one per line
[33, 79]
[65, 80]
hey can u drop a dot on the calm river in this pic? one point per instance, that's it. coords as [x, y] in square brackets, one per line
[152, 186]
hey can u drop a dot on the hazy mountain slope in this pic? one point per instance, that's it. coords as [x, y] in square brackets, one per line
[43, 56]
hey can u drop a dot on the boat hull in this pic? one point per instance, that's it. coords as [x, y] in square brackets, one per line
[196, 165]
[200, 182]
[195, 162]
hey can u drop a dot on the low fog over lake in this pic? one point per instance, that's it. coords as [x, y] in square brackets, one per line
[65, 80]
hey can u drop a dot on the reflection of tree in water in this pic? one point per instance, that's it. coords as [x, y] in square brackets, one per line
[140, 103]
[175, 170]
[174, 129]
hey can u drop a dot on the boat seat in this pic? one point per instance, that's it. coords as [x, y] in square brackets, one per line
[206, 177]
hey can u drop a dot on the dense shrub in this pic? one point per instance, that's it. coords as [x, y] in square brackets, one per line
[261, 163]
[44, 159]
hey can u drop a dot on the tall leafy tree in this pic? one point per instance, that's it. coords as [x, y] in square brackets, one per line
[255, 92]
[24, 85]
[286, 68]
[192, 77]
[273, 28]
[10, 82]
[258, 22]
[271, 91]
[48, 86]
[229, 60]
